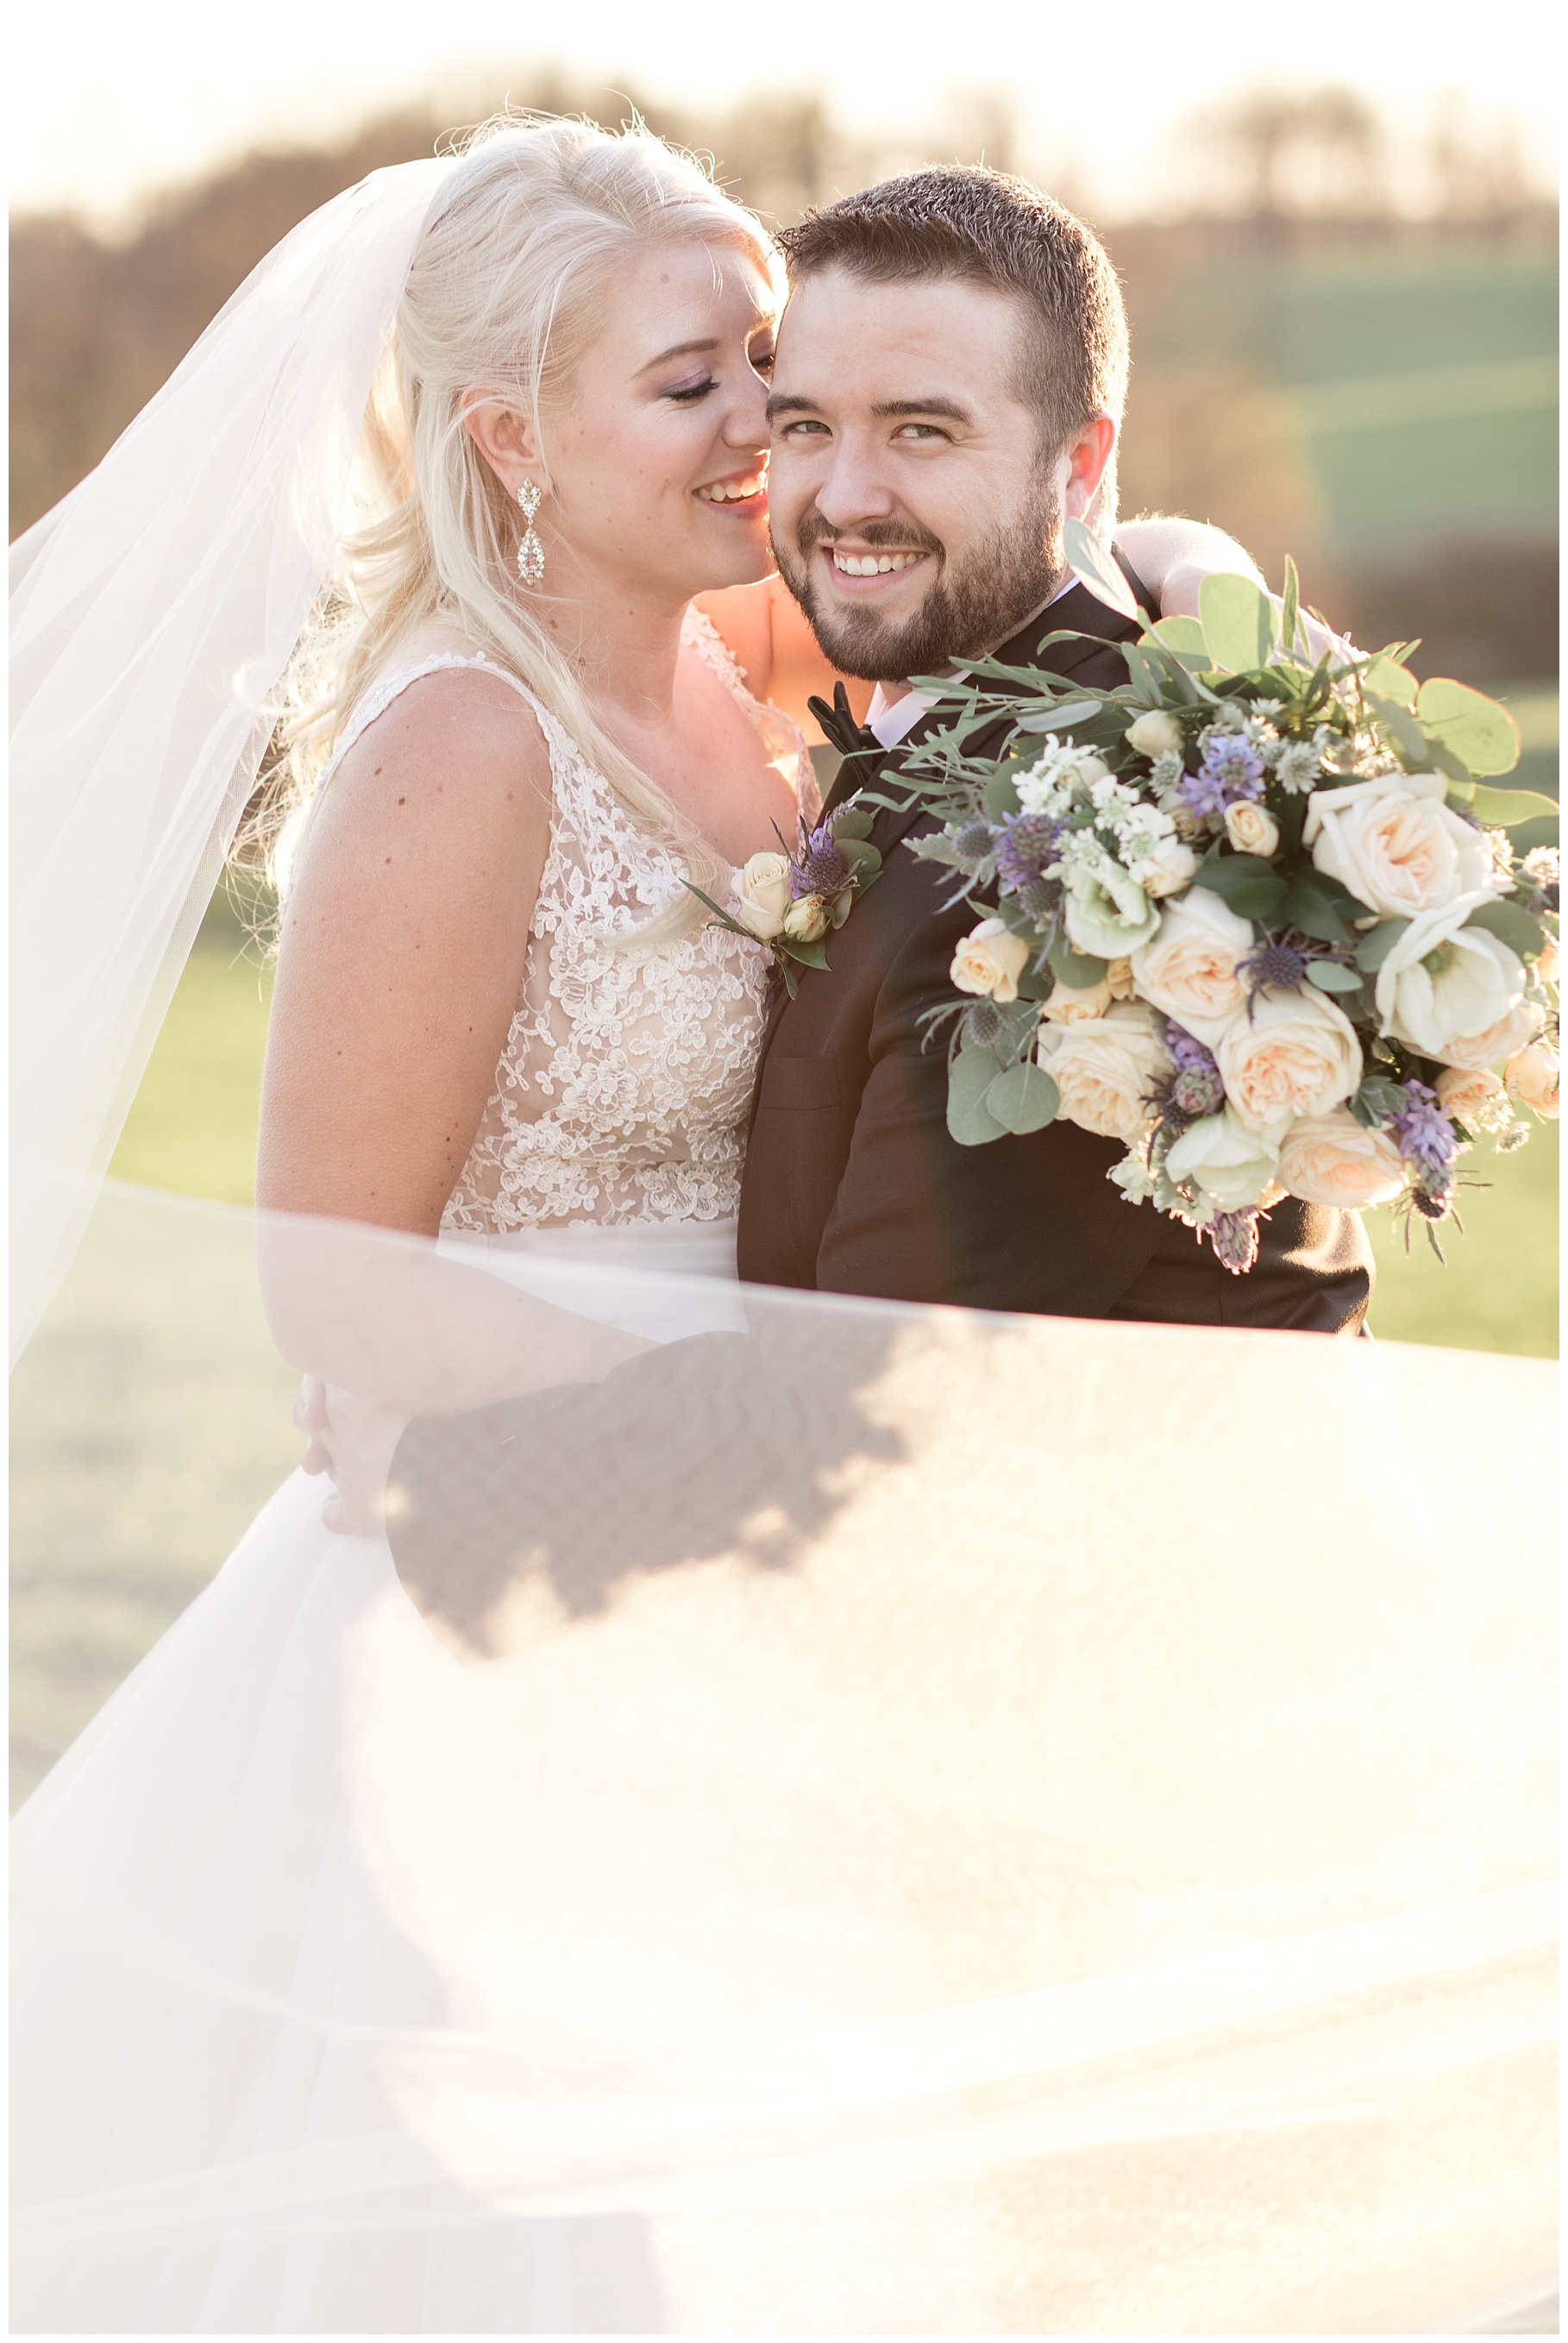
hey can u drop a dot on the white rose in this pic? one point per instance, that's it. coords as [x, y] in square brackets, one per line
[1533, 1077]
[1231, 1166]
[1071, 1005]
[1106, 1068]
[1252, 829]
[1191, 968]
[1473, 985]
[1108, 913]
[1288, 1054]
[1329, 1159]
[989, 960]
[1394, 843]
[1495, 1042]
[1154, 735]
[1168, 870]
[1470, 1093]
[761, 893]
[807, 919]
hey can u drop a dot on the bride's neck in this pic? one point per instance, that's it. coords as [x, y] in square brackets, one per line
[624, 644]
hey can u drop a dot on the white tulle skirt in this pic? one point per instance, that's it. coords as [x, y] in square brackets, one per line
[1038, 1827]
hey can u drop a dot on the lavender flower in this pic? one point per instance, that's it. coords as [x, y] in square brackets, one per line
[821, 869]
[1429, 1143]
[1234, 1237]
[1230, 770]
[1029, 842]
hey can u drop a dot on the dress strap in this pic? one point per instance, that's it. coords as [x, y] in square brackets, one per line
[391, 685]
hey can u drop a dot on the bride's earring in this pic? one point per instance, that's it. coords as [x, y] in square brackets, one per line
[530, 553]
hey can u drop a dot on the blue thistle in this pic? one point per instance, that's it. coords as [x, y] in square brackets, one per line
[1275, 963]
[821, 869]
[1029, 843]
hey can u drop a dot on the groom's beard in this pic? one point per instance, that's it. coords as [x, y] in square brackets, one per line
[975, 603]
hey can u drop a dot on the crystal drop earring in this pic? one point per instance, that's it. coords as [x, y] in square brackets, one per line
[530, 552]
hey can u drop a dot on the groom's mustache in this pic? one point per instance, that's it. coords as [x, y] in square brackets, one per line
[901, 537]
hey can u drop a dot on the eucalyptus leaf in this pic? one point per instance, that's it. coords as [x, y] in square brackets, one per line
[1080, 970]
[812, 955]
[1240, 625]
[1182, 635]
[1023, 1098]
[857, 852]
[1001, 798]
[1309, 908]
[1413, 744]
[1090, 560]
[1262, 900]
[1389, 680]
[1329, 976]
[1479, 731]
[850, 822]
[1378, 942]
[970, 1076]
[1511, 924]
[1504, 809]
[1061, 719]
[1223, 874]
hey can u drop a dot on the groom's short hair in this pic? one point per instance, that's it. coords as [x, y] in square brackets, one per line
[989, 229]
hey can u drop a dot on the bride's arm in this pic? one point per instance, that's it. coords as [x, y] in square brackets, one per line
[1173, 556]
[401, 959]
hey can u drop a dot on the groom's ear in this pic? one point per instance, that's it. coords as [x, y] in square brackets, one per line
[1087, 459]
[504, 436]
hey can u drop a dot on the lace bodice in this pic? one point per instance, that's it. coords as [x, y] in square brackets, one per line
[623, 1090]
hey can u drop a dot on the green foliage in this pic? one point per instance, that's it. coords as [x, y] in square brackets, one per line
[1241, 629]
[1479, 731]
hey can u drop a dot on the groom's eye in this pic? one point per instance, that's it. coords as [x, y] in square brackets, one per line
[804, 428]
[921, 431]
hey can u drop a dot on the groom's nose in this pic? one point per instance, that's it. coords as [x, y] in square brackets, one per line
[854, 488]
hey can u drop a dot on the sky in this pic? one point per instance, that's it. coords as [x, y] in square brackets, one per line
[109, 104]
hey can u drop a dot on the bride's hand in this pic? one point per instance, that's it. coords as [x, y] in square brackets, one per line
[353, 1440]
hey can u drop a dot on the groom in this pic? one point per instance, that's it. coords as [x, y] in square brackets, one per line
[950, 370]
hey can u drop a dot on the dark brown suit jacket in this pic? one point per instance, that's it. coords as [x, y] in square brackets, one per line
[853, 1185]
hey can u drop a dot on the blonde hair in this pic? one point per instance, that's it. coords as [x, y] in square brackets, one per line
[506, 292]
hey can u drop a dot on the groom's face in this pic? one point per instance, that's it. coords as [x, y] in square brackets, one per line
[915, 516]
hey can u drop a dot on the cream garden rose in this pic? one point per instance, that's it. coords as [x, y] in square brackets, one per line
[1329, 1159]
[1252, 829]
[1396, 845]
[808, 919]
[1072, 1004]
[1191, 968]
[1106, 1069]
[989, 960]
[1450, 990]
[1472, 1094]
[1288, 1054]
[761, 892]
[1119, 977]
[1107, 911]
[1230, 1166]
[1167, 869]
[1533, 1077]
[1154, 734]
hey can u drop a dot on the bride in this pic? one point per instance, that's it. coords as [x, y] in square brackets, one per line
[500, 1021]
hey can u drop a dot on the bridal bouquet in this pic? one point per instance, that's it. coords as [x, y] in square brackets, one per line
[1253, 914]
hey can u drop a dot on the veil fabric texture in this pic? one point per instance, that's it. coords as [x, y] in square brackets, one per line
[153, 614]
[897, 1820]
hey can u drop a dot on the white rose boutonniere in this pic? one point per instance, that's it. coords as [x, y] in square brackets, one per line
[791, 903]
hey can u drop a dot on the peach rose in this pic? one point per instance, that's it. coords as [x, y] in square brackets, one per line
[1070, 1005]
[1533, 1077]
[989, 960]
[1472, 1093]
[1191, 966]
[1289, 1054]
[1106, 1068]
[1252, 829]
[1395, 844]
[1329, 1159]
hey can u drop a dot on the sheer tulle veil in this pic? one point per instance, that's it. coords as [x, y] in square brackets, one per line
[153, 614]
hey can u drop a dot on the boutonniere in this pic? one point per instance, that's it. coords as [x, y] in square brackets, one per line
[792, 902]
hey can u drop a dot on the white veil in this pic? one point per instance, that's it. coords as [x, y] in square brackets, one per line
[153, 614]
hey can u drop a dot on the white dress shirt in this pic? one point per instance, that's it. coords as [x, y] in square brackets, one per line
[889, 719]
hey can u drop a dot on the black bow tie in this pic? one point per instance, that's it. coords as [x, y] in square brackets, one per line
[839, 729]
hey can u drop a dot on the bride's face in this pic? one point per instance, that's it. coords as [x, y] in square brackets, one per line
[656, 461]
